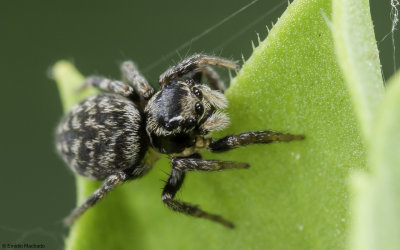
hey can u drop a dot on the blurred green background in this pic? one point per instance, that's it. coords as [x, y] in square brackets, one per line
[36, 189]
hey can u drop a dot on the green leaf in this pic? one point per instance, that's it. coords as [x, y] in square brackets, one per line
[294, 195]
[69, 80]
[359, 58]
[377, 204]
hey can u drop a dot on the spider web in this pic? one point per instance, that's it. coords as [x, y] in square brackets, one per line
[394, 15]
[188, 43]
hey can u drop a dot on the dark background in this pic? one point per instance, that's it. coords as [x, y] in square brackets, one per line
[36, 189]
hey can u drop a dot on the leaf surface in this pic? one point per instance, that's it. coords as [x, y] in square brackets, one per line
[377, 204]
[359, 58]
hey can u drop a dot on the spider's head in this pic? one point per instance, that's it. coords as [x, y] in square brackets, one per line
[186, 107]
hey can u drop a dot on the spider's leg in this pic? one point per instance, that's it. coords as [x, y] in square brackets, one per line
[194, 64]
[131, 74]
[106, 84]
[212, 78]
[108, 185]
[179, 166]
[254, 137]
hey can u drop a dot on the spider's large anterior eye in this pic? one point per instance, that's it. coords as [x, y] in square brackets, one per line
[191, 122]
[198, 93]
[199, 108]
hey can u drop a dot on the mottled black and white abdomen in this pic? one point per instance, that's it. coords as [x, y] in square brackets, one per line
[102, 135]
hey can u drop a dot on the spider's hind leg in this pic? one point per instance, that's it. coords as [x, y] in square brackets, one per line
[109, 184]
[109, 85]
[212, 78]
[132, 75]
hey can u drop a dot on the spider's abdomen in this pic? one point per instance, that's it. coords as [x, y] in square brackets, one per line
[101, 135]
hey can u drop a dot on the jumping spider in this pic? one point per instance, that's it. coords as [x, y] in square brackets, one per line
[111, 136]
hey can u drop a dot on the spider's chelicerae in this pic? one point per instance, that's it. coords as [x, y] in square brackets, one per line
[111, 136]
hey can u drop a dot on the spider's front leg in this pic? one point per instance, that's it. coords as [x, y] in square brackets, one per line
[195, 64]
[179, 166]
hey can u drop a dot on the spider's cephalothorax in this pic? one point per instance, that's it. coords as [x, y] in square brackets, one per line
[110, 136]
[181, 111]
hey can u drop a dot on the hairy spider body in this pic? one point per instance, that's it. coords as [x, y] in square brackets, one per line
[106, 137]
[102, 135]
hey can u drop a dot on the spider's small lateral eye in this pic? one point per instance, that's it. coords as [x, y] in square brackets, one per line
[198, 93]
[190, 82]
[199, 108]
